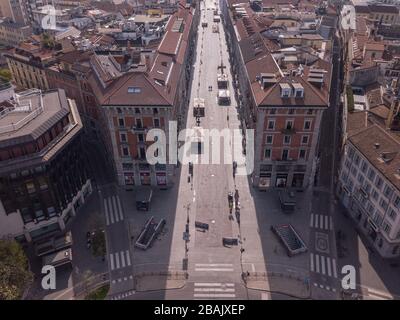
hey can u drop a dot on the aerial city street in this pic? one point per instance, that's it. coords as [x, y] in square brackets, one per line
[200, 150]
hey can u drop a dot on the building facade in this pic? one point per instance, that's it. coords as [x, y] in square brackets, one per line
[44, 177]
[282, 80]
[14, 9]
[28, 67]
[151, 93]
[369, 181]
[12, 34]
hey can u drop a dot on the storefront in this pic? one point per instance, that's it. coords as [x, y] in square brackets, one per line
[281, 180]
[144, 173]
[161, 174]
[265, 180]
[129, 178]
[298, 179]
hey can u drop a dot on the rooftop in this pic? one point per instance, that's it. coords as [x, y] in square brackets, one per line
[30, 115]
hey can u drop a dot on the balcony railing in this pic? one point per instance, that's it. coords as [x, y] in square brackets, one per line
[139, 129]
[288, 131]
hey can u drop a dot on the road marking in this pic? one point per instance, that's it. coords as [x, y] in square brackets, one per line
[122, 260]
[128, 258]
[312, 261]
[213, 290]
[214, 269]
[321, 221]
[214, 265]
[110, 210]
[379, 294]
[317, 262]
[326, 222]
[121, 215]
[323, 264]
[213, 284]
[312, 220]
[214, 295]
[331, 223]
[106, 212]
[112, 261]
[117, 259]
[334, 268]
[115, 211]
[328, 264]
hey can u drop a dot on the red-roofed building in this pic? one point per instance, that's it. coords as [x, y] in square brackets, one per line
[152, 92]
[283, 90]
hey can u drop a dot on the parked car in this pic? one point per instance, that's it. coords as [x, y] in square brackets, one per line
[143, 199]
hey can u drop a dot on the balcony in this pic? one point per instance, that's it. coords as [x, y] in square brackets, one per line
[139, 129]
[288, 131]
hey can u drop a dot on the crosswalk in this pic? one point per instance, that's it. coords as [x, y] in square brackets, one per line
[123, 295]
[217, 267]
[123, 279]
[323, 264]
[213, 290]
[113, 210]
[120, 260]
[321, 221]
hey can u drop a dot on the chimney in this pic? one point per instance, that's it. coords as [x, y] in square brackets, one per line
[148, 63]
[392, 121]
[377, 145]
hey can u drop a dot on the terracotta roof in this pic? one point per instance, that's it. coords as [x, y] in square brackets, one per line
[365, 141]
[375, 46]
[381, 111]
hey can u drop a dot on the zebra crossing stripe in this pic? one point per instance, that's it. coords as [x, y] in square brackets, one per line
[106, 212]
[213, 284]
[312, 261]
[214, 295]
[329, 266]
[121, 216]
[331, 223]
[312, 220]
[117, 259]
[334, 268]
[115, 210]
[317, 262]
[110, 210]
[214, 290]
[321, 221]
[122, 260]
[112, 261]
[326, 222]
[323, 264]
[128, 258]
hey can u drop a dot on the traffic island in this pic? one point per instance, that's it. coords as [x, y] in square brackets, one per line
[154, 281]
[99, 293]
[278, 283]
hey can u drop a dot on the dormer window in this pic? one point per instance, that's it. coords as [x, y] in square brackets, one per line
[286, 90]
[298, 90]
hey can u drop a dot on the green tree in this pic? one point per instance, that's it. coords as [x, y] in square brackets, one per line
[15, 276]
[5, 74]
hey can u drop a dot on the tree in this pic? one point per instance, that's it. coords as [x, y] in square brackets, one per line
[5, 74]
[15, 276]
